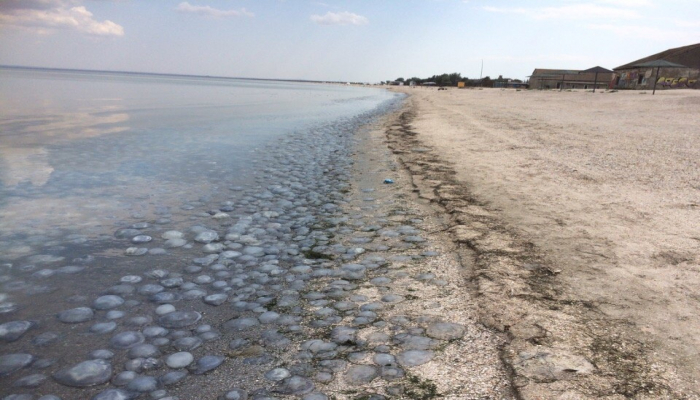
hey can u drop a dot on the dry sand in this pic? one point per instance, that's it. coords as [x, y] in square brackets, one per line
[578, 216]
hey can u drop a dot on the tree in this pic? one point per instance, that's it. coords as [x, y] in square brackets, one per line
[454, 78]
[444, 80]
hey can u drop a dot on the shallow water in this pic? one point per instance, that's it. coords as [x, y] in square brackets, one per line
[79, 150]
[120, 193]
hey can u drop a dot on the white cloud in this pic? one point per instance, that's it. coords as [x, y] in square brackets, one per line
[571, 11]
[340, 18]
[45, 17]
[208, 11]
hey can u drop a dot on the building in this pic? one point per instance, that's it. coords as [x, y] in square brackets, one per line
[642, 74]
[596, 77]
[509, 83]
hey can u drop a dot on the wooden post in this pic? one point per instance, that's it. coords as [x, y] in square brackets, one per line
[563, 76]
[595, 83]
[656, 80]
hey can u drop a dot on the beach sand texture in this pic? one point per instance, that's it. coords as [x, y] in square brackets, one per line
[578, 216]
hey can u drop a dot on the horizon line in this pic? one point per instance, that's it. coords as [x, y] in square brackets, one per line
[165, 74]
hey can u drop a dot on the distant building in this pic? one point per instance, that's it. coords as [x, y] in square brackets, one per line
[596, 77]
[509, 83]
[634, 76]
[542, 78]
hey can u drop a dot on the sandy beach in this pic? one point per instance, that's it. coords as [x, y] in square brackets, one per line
[576, 216]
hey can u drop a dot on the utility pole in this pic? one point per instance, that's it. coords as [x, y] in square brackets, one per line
[481, 74]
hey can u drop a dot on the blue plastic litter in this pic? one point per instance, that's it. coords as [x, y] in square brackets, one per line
[388, 181]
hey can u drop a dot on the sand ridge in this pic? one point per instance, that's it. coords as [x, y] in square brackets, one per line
[578, 215]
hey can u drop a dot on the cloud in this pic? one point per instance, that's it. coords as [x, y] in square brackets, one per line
[208, 11]
[340, 18]
[571, 11]
[46, 17]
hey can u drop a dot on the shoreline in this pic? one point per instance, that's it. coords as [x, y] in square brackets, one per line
[560, 343]
[322, 281]
[318, 282]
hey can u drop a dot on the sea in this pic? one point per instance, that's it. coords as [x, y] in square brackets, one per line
[79, 149]
[115, 186]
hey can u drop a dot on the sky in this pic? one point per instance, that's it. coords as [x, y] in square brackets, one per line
[341, 40]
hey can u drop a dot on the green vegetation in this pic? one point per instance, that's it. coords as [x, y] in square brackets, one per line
[453, 79]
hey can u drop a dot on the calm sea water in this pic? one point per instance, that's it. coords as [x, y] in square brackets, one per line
[80, 150]
[99, 170]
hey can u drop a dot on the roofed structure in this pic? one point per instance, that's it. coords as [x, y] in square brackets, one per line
[688, 56]
[597, 69]
[673, 68]
[544, 71]
[660, 64]
[596, 77]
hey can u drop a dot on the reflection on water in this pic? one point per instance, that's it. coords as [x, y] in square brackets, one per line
[25, 164]
[23, 149]
[81, 151]
[67, 126]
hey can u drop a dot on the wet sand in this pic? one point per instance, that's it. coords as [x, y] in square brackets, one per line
[576, 216]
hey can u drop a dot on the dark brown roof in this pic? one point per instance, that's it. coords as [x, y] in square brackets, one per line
[597, 69]
[660, 64]
[686, 55]
[547, 72]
